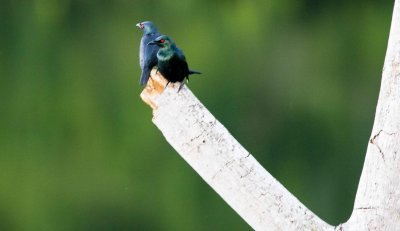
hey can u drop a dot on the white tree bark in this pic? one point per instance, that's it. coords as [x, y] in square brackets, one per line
[223, 163]
[257, 196]
[377, 204]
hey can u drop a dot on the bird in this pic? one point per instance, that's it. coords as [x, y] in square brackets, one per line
[171, 61]
[147, 54]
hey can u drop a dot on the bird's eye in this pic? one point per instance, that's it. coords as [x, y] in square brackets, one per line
[162, 41]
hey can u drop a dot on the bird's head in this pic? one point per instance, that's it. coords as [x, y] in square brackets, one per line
[162, 41]
[147, 27]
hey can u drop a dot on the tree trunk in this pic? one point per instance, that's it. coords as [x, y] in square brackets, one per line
[377, 204]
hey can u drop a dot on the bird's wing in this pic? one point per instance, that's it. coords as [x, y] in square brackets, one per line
[178, 51]
[149, 57]
[180, 63]
[149, 63]
[181, 56]
[141, 51]
[145, 75]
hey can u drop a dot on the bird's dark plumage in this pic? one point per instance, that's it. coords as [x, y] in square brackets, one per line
[147, 53]
[171, 60]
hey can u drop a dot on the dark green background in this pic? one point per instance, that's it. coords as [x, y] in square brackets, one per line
[296, 82]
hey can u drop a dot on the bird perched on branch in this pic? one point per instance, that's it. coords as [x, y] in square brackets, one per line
[147, 53]
[171, 61]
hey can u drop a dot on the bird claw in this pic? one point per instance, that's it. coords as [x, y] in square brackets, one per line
[180, 86]
[166, 85]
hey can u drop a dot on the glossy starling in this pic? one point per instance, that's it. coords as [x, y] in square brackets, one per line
[171, 61]
[147, 53]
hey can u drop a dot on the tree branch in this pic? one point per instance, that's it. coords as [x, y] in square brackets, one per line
[377, 204]
[223, 163]
[257, 196]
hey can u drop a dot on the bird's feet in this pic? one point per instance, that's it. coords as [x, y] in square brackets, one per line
[166, 85]
[180, 86]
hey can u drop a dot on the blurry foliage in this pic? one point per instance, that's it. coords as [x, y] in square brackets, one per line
[296, 82]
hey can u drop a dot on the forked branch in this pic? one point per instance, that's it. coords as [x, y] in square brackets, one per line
[257, 196]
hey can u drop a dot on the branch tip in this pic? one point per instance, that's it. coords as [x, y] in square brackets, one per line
[155, 86]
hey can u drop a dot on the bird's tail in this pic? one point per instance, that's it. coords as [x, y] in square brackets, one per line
[145, 76]
[191, 72]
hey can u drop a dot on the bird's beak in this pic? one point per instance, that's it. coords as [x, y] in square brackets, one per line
[152, 43]
[139, 25]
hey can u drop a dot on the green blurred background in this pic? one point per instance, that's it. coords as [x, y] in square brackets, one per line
[296, 82]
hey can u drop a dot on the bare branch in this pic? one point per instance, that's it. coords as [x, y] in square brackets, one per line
[377, 204]
[251, 191]
[223, 163]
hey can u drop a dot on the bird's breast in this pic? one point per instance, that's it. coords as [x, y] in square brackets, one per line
[162, 56]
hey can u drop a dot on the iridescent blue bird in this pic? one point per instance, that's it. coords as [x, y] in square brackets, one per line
[147, 53]
[171, 61]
